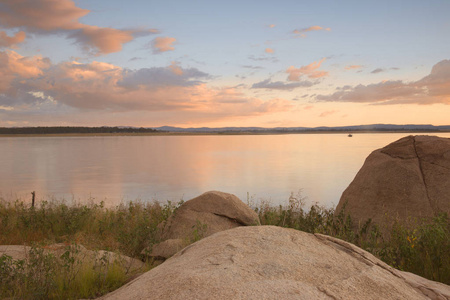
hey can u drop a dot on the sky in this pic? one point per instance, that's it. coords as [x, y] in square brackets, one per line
[224, 63]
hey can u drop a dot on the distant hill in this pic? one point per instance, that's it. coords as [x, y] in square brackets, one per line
[231, 130]
[373, 127]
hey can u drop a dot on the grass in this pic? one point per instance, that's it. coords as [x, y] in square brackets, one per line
[126, 229]
[421, 247]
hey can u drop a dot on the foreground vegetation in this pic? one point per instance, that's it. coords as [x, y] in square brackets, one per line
[128, 229]
[421, 247]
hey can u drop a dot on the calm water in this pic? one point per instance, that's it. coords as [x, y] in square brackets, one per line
[123, 168]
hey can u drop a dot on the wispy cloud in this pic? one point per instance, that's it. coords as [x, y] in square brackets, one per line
[269, 50]
[434, 88]
[62, 17]
[353, 67]
[302, 32]
[309, 71]
[263, 58]
[163, 44]
[328, 113]
[252, 67]
[279, 85]
[377, 70]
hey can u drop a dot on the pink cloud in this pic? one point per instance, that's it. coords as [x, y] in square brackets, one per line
[327, 113]
[309, 70]
[44, 15]
[269, 50]
[175, 68]
[301, 32]
[14, 66]
[62, 16]
[163, 44]
[434, 88]
[104, 40]
[9, 42]
[353, 67]
[99, 86]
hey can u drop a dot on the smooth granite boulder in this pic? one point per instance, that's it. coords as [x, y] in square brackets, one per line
[199, 217]
[268, 262]
[407, 178]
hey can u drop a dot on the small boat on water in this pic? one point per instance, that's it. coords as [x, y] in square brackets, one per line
[350, 135]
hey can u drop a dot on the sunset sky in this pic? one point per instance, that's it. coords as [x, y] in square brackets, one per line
[224, 63]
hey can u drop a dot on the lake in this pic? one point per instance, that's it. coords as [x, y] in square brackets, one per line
[117, 169]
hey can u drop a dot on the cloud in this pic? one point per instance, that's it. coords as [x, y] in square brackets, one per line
[301, 32]
[15, 67]
[328, 113]
[434, 88]
[10, 42]
[34, 85]
[175, 68]
[62, 17]
[272, 25]
[252, 67]
[101, 40]
[378, 70]
[163, 44]
[352, 67]
[310, 71]
[278, 85]
[173, 75]
[269, 50]
[263, 58]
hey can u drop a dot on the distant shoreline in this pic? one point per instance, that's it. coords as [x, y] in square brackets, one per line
[225, 133]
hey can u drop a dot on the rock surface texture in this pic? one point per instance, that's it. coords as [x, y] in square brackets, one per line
[202, 216]
[408, 178]
[268, 262]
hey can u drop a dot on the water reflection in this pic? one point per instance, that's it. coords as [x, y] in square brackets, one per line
[122, 168]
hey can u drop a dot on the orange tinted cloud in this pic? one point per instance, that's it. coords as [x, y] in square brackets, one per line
[434, 88]
[99, 86]
[7, 41]
[352, 67]
[163, 44]
[327, 113]
[45, 15]
[62, 16]
[175, 68]
[310, 71]
[105, 40]
[14, 66]
[269, 50]
[301, 32]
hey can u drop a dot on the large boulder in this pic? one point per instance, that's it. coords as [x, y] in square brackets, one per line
[408, 178]
[202, 216]
[268, 262]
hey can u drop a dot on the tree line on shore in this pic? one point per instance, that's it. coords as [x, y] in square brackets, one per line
[72, 129]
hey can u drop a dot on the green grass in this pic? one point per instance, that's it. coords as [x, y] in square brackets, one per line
[126, 229]
[421, 247]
